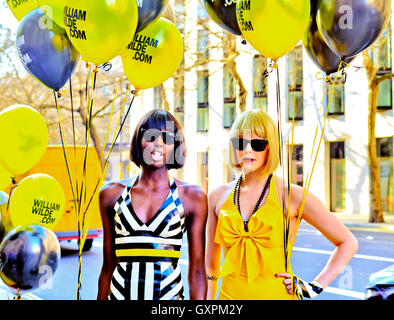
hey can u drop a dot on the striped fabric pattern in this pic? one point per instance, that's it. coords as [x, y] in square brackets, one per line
[304, 289]
[148, 253]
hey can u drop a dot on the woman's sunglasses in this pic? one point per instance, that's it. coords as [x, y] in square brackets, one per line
[256, 144]
[150, 135]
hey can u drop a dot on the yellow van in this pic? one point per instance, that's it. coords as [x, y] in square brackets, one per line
[53, 164]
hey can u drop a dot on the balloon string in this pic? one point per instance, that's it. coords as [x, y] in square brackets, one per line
[343, 77]
[64, 150]
[61, 93]
[309, 175]
[87, 133]
[63, 145]
[280, 136]
[74, 140]
[135, 93]
[289, 171]
[109, 121]
[13, 186]
[83, 191]
[326, 78]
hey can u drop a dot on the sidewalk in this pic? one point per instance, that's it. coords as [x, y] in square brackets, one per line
[360, 222]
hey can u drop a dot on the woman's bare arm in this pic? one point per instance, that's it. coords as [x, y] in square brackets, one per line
[316, 214]
[195, 203]
[108, 196]
[214, 250]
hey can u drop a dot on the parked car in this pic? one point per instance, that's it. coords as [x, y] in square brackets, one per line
[381, 285]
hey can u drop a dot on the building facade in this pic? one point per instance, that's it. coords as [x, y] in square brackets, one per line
[204, 98]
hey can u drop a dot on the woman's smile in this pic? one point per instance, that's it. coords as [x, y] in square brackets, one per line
[157, 155]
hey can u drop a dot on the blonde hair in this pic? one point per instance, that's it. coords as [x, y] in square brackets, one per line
[260, 123]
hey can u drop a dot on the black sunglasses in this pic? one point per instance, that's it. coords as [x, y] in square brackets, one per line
[256, 144]
[151, 135]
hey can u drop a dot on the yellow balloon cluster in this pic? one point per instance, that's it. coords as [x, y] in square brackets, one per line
[37, 199]
[100, 29]
[20, 8]
[153, 55]
[273, 27]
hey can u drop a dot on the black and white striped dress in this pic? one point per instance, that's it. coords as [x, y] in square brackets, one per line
[148, 253]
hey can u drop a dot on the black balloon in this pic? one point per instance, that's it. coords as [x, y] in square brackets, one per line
[45, 50]
[29, 256]
[224, 14]
[351, 26]
[316, 48]
[149, 10]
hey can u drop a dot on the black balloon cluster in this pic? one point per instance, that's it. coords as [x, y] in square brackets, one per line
[341, 29]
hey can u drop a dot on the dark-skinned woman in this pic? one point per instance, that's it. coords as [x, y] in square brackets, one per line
[144, 219]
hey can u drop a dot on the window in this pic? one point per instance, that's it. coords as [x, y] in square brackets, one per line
[179, 15]
[385, 96]
[382, 59]
[337, 176]
[202, 170]
[337, 105]
[202, 101]
[202, 45]
[386, 163]
[297, 166]
[230, 101]
[260, 85]
[295, 80]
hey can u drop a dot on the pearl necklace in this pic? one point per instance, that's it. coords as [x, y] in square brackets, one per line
[237, 192]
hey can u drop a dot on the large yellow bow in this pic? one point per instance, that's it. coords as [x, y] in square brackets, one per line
[255, 245]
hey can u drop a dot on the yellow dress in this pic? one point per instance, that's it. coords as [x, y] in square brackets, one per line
[253, 257]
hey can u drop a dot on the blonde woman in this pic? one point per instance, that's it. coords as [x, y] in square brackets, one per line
[245, 218]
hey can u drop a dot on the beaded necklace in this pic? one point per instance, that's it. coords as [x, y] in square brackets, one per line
[237, 192]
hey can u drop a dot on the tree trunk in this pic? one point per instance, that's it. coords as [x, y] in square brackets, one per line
[242, 92]
[376, 209]
[230, 54]
[163, 93]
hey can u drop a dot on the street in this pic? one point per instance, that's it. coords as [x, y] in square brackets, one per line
[311, 252]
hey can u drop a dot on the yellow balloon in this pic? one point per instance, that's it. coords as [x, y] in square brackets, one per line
[21, 7]
[24, 138]
[273, 27]
[5, 178]
[5, 220]
[100, 29]
[37, 199]
[54, 9]
[154, 54]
